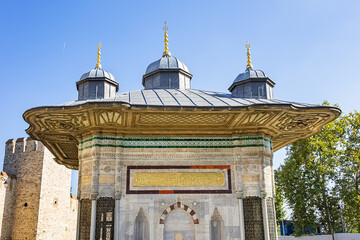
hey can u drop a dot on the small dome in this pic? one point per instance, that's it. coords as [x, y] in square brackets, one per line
[97, 73]
[166, 62]
[96, 84]
[250, 73]
[252, 84]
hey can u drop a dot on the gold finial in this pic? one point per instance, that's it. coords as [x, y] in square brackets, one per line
[249, 65]
[166, 52]
[98, 65]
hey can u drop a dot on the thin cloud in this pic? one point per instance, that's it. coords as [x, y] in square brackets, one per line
[64, 46]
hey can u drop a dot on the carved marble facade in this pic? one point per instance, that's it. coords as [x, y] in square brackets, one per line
[109, 169]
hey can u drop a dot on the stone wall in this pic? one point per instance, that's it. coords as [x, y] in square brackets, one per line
[27, 160]
[7, 189]
[40, 204]
[57, 210]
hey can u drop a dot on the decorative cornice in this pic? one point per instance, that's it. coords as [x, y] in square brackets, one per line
[162, 142]
[62, 128]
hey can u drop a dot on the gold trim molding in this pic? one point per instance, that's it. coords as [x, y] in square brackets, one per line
[178, 179]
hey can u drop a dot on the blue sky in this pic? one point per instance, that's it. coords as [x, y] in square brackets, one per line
[310, 48]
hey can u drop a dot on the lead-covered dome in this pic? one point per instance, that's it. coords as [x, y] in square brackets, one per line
[250, 73]
[97, 83]
[167, 73]
[98, 73]
[252, 83]
[167, 62]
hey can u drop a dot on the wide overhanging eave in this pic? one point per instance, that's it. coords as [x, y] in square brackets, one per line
[61, 127]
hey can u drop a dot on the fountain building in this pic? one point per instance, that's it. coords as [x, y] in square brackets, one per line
[172, 162]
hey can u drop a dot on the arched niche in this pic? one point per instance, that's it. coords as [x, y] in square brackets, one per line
[179, 222]
[182, 206]
[141, 227]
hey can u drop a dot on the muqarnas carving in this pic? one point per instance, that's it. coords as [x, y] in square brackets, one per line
[141, 228]
[216, 226]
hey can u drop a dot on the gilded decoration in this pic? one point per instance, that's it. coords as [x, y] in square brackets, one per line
[167, 179]
[174, 179]
[58, 138]
[55, 126]
[183, 119]
[293, 122]
[61, 122]
[85, 180]
[106, 179]
[256, 118]
[106, 117]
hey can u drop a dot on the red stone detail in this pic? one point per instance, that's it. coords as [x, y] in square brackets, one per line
[185, 208]
[211, 167]
[166, 192]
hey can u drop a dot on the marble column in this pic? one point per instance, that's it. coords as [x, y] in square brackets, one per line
[265, 215]
[117, 191]
[78, 220]
[240, 196]
[276, 232]
[93, 216]
[117, 216]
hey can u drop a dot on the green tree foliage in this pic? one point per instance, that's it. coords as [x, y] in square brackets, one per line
[348, 178]
[320, 178]
[279, 198]
[297, 186]
[279, 201]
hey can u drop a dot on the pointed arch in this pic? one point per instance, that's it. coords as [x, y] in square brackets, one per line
[141, 226]
[181, 206]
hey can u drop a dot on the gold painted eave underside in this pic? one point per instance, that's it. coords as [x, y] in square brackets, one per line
[61, 129]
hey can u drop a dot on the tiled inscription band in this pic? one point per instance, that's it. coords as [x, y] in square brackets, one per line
[195, 179]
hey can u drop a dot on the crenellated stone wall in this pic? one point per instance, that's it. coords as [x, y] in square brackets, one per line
[35, 201]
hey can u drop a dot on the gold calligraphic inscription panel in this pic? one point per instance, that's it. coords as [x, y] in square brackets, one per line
[166, 179]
